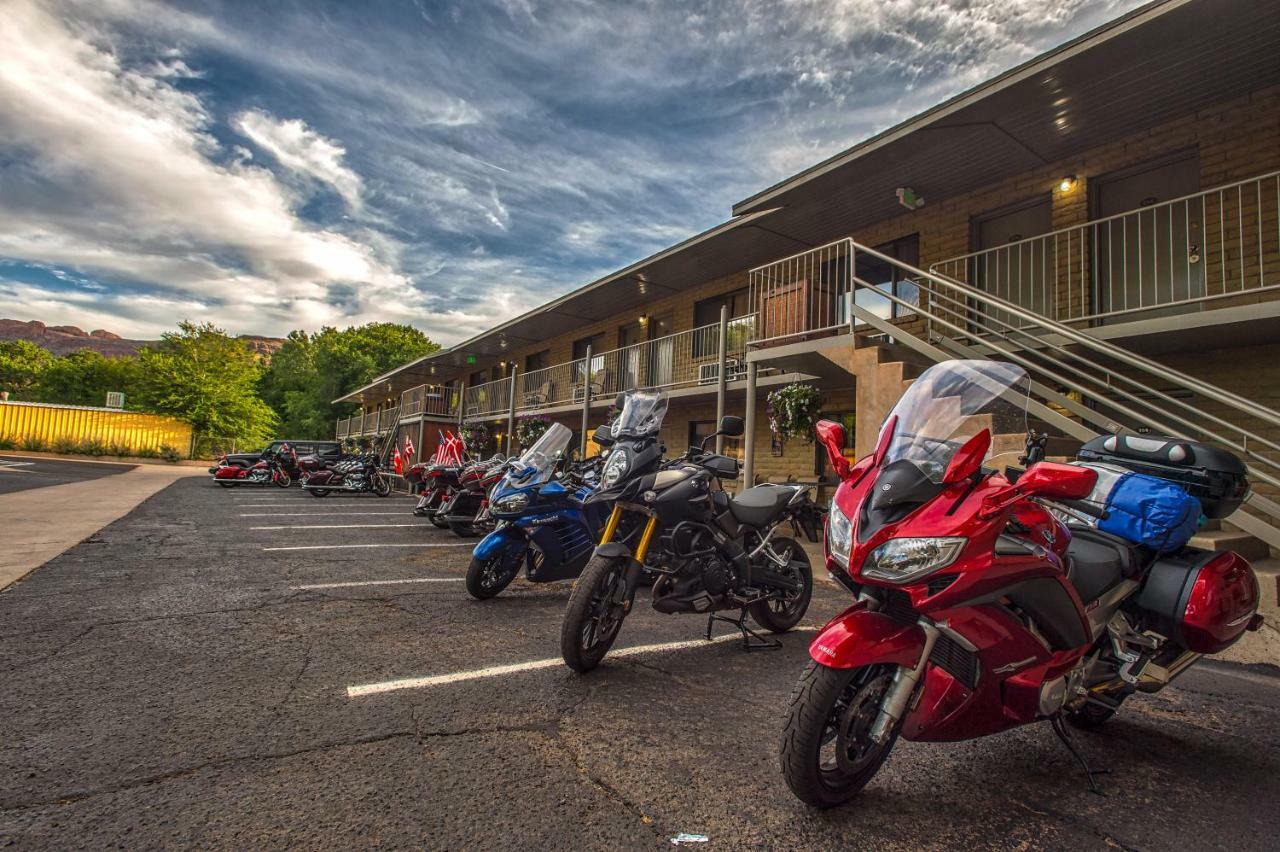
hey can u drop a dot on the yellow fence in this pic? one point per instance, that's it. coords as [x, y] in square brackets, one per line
[54, 425]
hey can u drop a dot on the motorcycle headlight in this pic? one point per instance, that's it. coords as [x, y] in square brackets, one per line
[512, 503]
[904, 560]
[839, 535]
[615, 467]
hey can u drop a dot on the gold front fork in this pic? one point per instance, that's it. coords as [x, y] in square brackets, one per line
[611, 526]
[647, 536]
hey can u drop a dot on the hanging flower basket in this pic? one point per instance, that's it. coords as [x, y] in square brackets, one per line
[474, 437]
[529, 429]
[793, 411]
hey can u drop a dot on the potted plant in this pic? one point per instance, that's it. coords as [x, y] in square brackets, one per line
[530, 428]
[793, 410]
[474, 437]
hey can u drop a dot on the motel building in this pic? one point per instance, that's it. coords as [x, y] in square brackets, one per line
[1106, 215]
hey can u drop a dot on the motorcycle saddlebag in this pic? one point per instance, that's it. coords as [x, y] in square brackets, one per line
[1204, 601]
[1213, 476]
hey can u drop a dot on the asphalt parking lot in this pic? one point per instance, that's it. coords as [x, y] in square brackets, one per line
[19, 473]
[263, 669]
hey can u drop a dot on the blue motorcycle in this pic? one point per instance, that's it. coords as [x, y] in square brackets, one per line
[543, 521]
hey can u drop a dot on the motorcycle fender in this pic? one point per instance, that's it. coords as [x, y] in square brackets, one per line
[616, 549]
[613, 549]
[498, 541]
[860, 637]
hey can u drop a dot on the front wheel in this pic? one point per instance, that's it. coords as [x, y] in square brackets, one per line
[283, 480]
[381, 485]
[594, 616]
[780, 614]
[488, 577]
[827, 752]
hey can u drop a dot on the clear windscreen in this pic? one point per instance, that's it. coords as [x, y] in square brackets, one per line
[642, 414]
[545, 452]
[949, 404]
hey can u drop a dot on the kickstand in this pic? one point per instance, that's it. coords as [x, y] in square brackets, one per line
[751, 640]
[1060, 728]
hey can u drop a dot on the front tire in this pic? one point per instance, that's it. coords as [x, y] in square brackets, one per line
[488, 577]
[827, 754]
[597, 607]
[782, 614]
[283, 480]
[381, 486]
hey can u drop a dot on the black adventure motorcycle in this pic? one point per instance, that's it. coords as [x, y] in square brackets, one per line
[708, 552]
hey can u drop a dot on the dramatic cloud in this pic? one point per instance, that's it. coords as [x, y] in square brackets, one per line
[272, 166]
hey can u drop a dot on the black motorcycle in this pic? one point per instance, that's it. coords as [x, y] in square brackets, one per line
[708, 552]
[361, 474]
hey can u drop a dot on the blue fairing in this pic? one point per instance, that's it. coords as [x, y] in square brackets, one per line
[498, 541]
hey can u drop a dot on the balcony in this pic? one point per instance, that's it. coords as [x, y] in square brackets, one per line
[1216, 248]
[686, 360]
[423, 400]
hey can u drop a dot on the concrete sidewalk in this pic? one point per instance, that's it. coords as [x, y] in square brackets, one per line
[41, 523]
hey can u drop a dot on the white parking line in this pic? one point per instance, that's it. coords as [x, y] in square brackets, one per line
[337, 527]
[312, 514]
[348, 546]
[379, 583]
[363, 689]
[4, 463]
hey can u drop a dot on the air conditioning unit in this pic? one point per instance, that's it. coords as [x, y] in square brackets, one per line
[115, 399]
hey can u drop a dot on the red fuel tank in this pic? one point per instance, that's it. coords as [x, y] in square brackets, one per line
[1202, 600]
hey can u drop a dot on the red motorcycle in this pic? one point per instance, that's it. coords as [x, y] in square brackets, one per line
[434, 484]
[271, 469]
[979, 609]
[466, 512]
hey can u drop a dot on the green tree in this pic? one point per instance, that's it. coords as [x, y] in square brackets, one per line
[309, 371]
[21, 365]
[201, 375]
[85, 377]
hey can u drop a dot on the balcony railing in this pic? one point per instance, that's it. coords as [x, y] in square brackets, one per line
[430, 400]
[685, 359]
[1177, 255]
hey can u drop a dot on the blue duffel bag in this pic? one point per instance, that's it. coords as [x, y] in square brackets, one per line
[1152, 512]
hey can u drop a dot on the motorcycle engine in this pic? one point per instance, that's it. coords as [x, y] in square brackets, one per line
[718, 577]
[698, 586]
[355, 480]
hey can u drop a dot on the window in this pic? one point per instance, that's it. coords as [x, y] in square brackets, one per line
[595, 341]
[707, 312]
[888, 278]
[479, 377]
[699, 430]
[537, 361]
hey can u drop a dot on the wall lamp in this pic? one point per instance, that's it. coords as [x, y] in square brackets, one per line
[1068, 183]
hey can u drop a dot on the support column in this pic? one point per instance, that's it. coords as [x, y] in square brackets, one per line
[462, 401]
[422, 424]
[511, 414]
[586, 403]
[723, 378]
[749, 427]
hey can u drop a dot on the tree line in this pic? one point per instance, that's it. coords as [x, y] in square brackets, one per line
[216, 382]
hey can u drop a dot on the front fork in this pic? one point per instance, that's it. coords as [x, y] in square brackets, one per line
[636, 563]
[904, 683]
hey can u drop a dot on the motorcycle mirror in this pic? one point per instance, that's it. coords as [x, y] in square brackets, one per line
[731, 426]
[1057, 481]
[968, 459]
[832, 437]
[603, 436]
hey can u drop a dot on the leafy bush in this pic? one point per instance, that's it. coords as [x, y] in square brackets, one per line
[35, 444]
[530, 428]
[93, 447]
[169, 454]
[146, 453]
[66, 446]
[116, 448]
[8, 442]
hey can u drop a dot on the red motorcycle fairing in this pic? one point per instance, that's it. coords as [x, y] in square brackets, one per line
[859, 636]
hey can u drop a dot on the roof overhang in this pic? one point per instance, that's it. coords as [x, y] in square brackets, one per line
[1162, 62]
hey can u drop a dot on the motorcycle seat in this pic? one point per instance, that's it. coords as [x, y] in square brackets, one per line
[1097, 562]
[758, 506]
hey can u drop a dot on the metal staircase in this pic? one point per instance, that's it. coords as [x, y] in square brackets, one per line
[1082, 385]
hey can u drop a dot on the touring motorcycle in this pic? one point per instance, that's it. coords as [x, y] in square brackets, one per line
[278, 468]
[466, 510]
[360, 474]
[542, 521]
[707, 551]
[989, 600]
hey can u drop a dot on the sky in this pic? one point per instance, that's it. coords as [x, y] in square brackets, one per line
[282, 165]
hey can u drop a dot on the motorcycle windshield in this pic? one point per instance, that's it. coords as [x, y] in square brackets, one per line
[539, 460]
[949, 404]
[642, 414]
